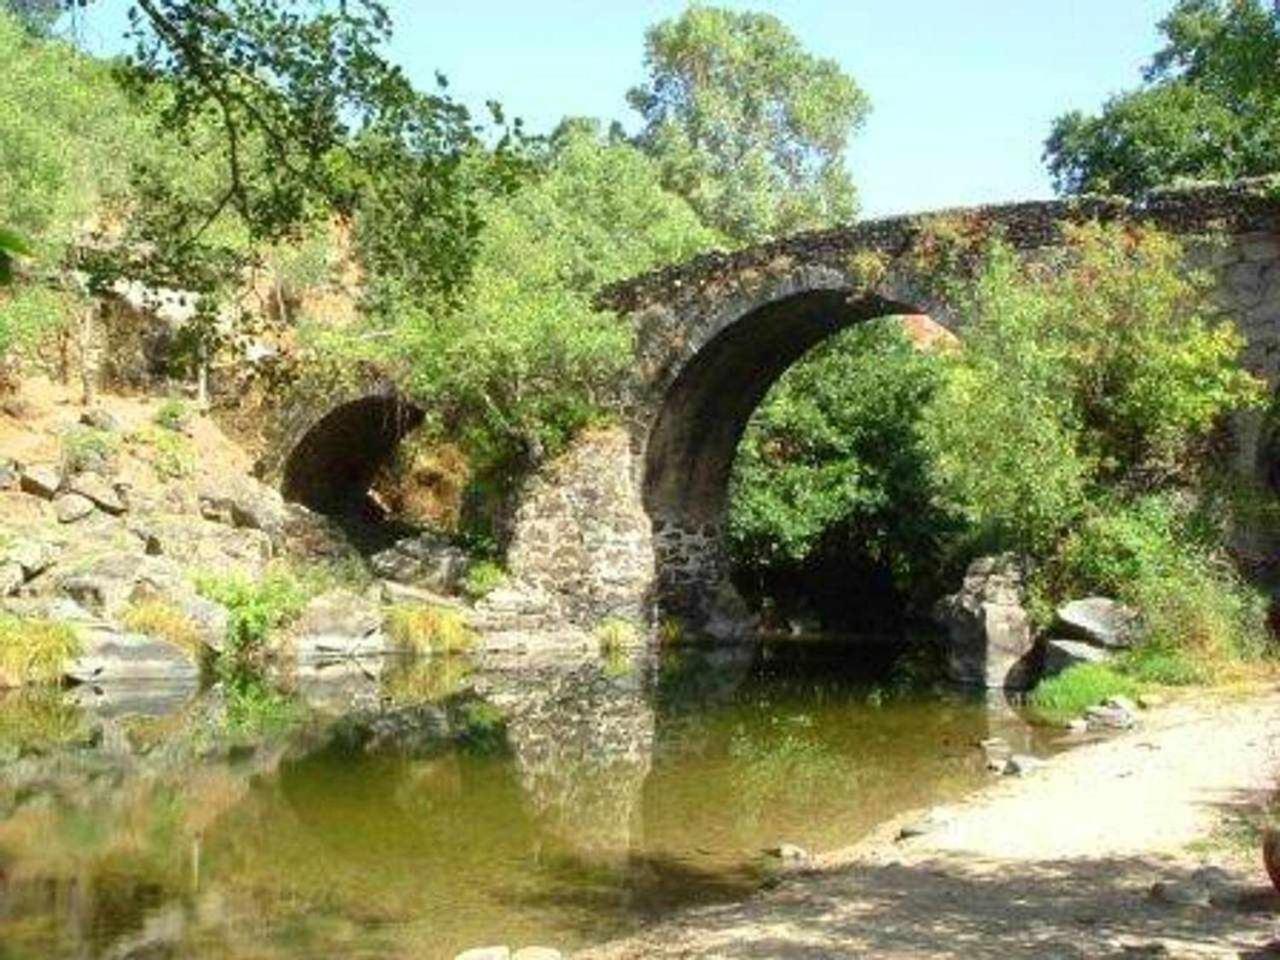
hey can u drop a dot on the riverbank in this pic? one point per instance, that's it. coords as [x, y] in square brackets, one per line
[1059, 863]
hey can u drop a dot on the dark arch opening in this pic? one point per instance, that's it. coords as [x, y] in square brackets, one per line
[695, 438]
[332, 468]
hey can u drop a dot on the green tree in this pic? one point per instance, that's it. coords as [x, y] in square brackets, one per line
[746, 125]
[526, 359]
[1209, 108]
[833, 475]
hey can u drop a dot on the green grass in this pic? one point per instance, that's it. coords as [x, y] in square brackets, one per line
[483, 577]
[35, 651]
[1066, 696]
[614, 635]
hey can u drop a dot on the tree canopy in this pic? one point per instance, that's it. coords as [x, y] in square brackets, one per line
[746, 124]
[1209, 108]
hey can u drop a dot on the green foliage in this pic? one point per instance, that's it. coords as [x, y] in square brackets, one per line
[1107, 370]
[88, 448]
[526, 360]
[1210, 108]
[173, 415]
[174, 456]
[613, 635]
[12, 246]
[34, 651]
[833, 465]
[256, 607]
[1067, 695]
[747, 125]
[256, 709]
[482, 578]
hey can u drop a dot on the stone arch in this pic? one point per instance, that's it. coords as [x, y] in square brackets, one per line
[331, 464]
[702, 401]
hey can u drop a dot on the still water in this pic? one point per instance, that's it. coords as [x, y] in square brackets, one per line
[451, 804]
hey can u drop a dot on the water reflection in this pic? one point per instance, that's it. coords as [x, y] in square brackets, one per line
[433, 805]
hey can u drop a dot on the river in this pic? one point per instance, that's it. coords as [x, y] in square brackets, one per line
[447, 803]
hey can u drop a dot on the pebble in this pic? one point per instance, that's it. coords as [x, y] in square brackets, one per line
[485, 953]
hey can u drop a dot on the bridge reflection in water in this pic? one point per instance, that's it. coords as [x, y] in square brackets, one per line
[557, 801]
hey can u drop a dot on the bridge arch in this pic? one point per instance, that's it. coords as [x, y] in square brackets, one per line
[707, 397]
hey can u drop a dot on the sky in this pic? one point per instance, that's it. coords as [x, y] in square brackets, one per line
[963, 92]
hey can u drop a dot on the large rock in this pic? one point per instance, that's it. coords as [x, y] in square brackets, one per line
[990, 643]
[41, 480]
[1060, 655]
[33, 556]
[11, 579]
[94, 488]
[111, 657]
[1100, 621]
[71, 507]
[339, 624]
[202, 545]
[425, 561]
[9, 474]
[108, 584]
[243, 502]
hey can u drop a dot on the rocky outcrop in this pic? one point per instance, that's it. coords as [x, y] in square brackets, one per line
[425, 561]
[989, 637]
[336, 625]
[1060, 655]
[1099, 621]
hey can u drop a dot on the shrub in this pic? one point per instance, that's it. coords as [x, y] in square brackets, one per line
[164, 621]
[174, 458]
[34, 651]
[1065, 696]
[173, 415]
[1158, 554]
[256, 608]
[426, 628]
[87, 448]
[483, 577]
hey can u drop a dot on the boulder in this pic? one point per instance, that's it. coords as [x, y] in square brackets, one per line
[425, 561]
[1117, 713]
[11, 579]
[109, 656]
[71, 507]
[99, 419]
[199, 544]
[339, 624]
[246, 503]
[33, 556]
[1101, 621]
[108, 584]
[9, 474]
[989, 638]
[1059, 655]
[41, 480]
[93, 487]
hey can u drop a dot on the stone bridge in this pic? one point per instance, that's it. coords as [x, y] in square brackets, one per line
[629, 522]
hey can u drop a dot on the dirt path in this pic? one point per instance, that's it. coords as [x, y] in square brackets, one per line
[1058, 864]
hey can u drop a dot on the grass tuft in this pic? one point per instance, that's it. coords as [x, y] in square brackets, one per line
[1067, 695]
[163, 621]
[426, 628]
[35, 651]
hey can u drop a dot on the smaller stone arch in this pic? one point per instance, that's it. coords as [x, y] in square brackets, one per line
[329, 461]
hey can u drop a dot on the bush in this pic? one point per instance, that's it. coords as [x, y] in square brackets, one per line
[425, 628]
[87, 448]
[483, 577]
[173, 415]
[1160, 555]
[35, 651]
[1067, 695]
[256, 608]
